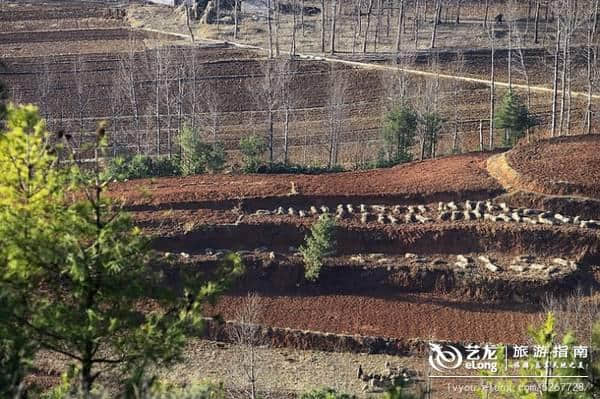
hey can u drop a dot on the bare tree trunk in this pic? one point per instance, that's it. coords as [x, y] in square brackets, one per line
[333, 18]
[563, 84]
[555, 80]
[492, 92]
[366, 38]
[285, 134]
[323, 26]
[294, 22]
[270, 28]
[302, 16]
[356, 25]
[236, 7]
[458, 3]
[510, 53]
[416, 24]
[277, 26]
[537, 21]
[487, 10]
[438, 10]
[400, 26]
[377, 24]
[480, 135]
[187, 22]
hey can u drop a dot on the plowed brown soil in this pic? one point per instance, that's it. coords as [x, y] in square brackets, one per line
[564, 165]
[458, 175]
[405, 317]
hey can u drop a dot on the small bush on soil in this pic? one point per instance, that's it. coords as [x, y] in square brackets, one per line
[297, 169]
[382, 161]
[320, 243]
[253, 149]
[198, 156]
[326, 393]
[142, 166]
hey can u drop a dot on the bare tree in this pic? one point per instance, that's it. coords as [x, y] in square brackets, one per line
[270, 28]
[416, 24]
[245, 332]
[591, 59]
[127, 78]
[377, 24]
[323, 18]
[81, 92]
[335, 110]
[458, 70]
[491, 33]
[400, 26]
[438, 10]
[333, 19]
[366, 37]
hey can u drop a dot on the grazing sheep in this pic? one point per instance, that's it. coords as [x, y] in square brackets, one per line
[441, 206]
[422, 208]
[324, 209]
[392, 219]
[397, 209]
[261, 212]
[452, 206]
[313, 210]
[364, 217]
[280, 211]
[409, 217]
[350, 208]
[363, 208]
[421, 219]
[456, 215]
[291, 211]
[301, 213]
[381, 218]
[515, 216]
[444, 215]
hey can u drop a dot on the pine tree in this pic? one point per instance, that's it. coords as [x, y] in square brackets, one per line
[514, 117]
[320, 243]
[398, 133]
[81, 279]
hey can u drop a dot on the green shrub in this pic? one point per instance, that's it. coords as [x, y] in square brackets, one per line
[514, 117]
[398, 133]
[253, 149]
[198, 156]
[320, 243]
[280, 167]
[142, 166]
[327, 393]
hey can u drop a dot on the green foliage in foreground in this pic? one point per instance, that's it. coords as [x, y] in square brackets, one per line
[551, 388]
[77, 278]
[318, 244]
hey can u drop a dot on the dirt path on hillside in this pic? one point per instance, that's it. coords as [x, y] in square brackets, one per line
[366, 65]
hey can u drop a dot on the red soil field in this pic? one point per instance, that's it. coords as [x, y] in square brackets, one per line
[563, 165]
[456, 174]
[405, 317]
